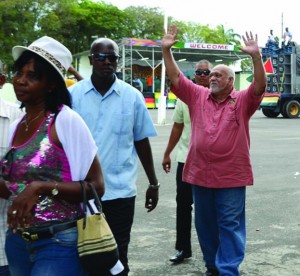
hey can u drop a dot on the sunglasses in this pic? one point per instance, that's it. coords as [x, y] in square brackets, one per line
[204, 72]
[103, 57]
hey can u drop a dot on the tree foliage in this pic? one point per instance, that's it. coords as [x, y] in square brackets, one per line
[76, 23]
[143, 23]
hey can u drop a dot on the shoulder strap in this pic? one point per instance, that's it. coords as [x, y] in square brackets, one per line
[95, 197]
[84, 202]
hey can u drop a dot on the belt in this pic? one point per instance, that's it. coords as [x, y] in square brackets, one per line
[45, 232]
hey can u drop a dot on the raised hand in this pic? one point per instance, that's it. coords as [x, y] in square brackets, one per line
[169, 39]
[251, 45]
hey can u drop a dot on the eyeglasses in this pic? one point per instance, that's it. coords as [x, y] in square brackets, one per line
[204, 72]
[103, 57]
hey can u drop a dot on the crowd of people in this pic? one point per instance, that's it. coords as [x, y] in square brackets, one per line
[96, 130]
[147, 84]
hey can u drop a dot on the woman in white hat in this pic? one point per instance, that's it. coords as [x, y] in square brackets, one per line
[51, 149]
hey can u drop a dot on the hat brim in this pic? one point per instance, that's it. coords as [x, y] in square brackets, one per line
[17, 51]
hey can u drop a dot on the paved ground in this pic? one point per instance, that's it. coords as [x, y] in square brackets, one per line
[273, 208]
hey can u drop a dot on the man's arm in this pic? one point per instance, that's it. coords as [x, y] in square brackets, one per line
[251, 48]
[144, 152]
[76, 74]
[172, 68]
[173, 140]
[260, 80]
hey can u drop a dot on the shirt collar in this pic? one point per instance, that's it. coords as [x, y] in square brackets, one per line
[232, 95]
[115, 88]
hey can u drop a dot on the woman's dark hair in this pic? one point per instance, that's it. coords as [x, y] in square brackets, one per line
[59, 93]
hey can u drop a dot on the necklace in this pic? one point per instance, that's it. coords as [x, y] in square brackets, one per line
[28, 122]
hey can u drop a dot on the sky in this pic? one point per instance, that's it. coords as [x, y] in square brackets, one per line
[258, 16]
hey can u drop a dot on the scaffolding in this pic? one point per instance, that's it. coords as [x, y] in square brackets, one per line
[147, 52]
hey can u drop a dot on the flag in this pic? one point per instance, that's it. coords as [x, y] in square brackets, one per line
[269, 66]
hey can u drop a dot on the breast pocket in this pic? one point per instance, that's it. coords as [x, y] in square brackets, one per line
[122, 124]
[230, 120]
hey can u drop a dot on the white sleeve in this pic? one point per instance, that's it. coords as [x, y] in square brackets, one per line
[12, 129]
[77, 142]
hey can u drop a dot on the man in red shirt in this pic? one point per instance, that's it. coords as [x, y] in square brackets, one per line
[218, 163]
[149, 82]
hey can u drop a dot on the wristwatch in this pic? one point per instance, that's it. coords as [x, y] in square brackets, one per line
[55, 191]
[155, 187]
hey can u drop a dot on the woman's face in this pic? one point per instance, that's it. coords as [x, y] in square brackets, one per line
[30, 88]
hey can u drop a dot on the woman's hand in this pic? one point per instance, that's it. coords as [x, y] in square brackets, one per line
[19, 213]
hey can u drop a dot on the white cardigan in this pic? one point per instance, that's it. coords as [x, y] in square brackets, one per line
[76, 140]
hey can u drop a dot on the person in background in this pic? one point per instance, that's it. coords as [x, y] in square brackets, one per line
[149, 82]
[157, 84]
[50, 150]
[218, 163]
[9, 112]
[121, 125]
[136, 82]
[70, 81]
[271, 37]
[7, 93]
[287, 36]
[180, 134]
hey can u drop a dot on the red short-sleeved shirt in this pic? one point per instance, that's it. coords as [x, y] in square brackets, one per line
[219, 152]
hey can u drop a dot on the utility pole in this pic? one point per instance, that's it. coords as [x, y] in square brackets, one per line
[161, 120]
[282, 25]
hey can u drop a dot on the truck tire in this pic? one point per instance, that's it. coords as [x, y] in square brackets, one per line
[291, 109]
[270, 113]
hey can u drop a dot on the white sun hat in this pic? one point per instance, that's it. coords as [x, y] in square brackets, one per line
[49, 49]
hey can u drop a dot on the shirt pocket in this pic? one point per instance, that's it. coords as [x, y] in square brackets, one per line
[122, 124]
[230, 121]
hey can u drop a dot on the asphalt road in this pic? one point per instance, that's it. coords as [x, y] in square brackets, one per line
[272, 207]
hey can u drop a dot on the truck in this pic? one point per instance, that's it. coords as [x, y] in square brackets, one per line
[282, 66]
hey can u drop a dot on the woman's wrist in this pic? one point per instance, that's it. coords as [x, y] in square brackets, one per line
[5, 191]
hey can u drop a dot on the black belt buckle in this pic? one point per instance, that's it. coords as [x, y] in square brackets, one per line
[45, 233]
[29, 237]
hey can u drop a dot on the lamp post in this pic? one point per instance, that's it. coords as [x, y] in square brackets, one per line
[161, 118]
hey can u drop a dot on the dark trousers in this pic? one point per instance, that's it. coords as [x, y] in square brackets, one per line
[4, 270]
[119, 214]
[184, 199]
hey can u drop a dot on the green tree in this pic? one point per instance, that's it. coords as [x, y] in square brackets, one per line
[144, 23]
[228, 36]
[194, 32]
[17, 25]
[190, 31]
[76, 23]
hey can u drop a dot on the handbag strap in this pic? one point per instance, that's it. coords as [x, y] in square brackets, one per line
[96, 199]
[84, 202]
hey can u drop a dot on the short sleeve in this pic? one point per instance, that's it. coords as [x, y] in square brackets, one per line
[77, 142]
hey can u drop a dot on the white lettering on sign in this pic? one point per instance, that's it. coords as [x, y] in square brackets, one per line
[220, 47]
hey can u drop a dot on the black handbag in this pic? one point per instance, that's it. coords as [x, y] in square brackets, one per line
[97, 247]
